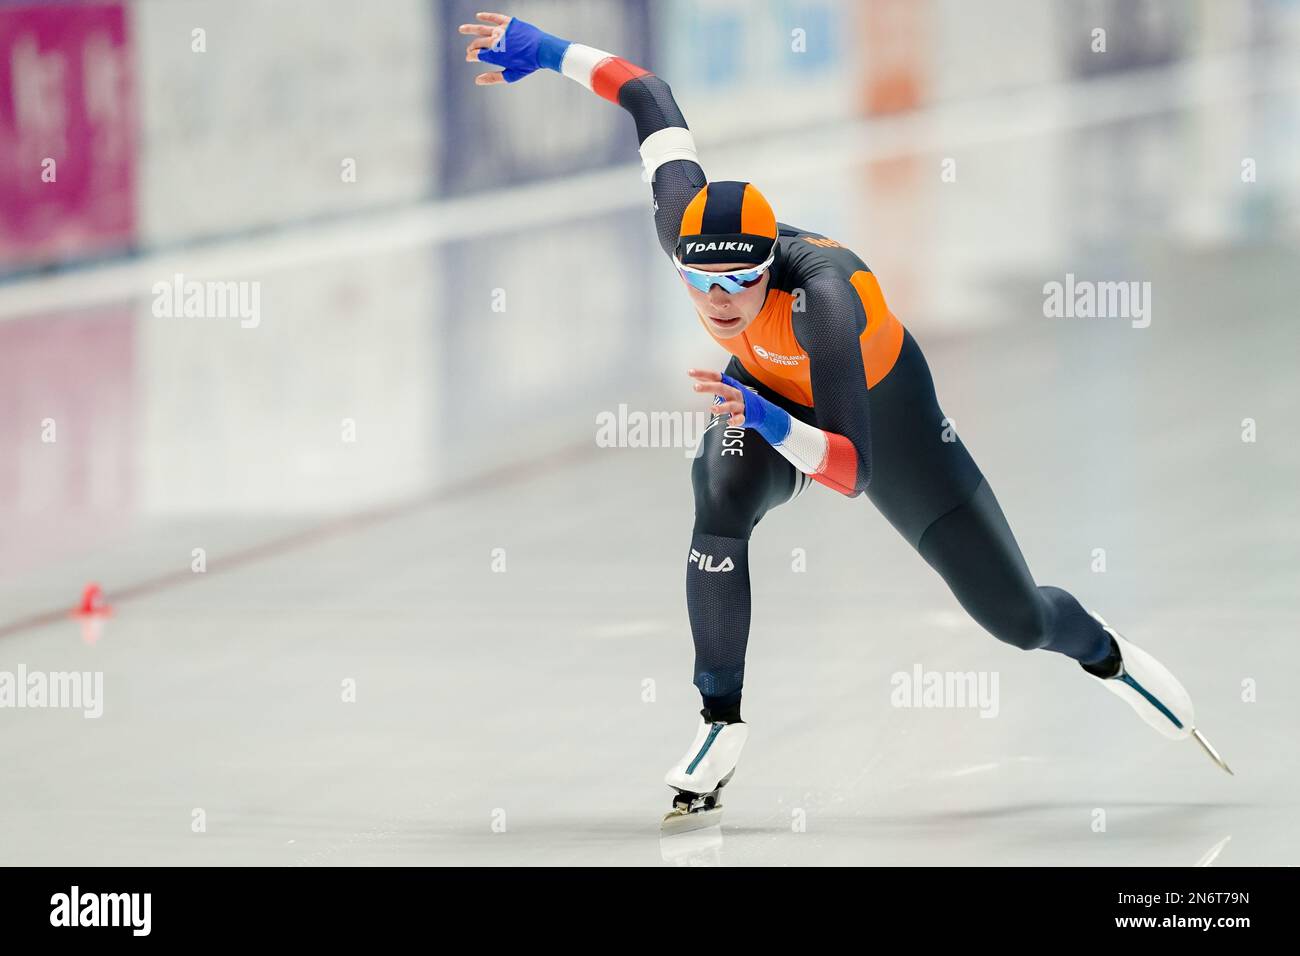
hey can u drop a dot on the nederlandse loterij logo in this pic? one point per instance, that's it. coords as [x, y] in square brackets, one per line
[705, 562]
[776, 357]
[728, 245]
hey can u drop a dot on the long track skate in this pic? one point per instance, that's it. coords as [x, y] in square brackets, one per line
[694, 811]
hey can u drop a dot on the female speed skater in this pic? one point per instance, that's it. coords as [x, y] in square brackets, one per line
[824, 384]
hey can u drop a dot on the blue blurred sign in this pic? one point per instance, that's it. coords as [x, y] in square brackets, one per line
[545, 125]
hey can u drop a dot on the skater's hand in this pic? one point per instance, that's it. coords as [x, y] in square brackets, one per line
[518, 46]
[728, 400]
[486, 35]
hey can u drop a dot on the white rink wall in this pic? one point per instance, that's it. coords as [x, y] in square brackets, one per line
[245, 117]
[254, 130]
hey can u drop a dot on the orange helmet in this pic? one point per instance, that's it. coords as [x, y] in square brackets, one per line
[727, 222]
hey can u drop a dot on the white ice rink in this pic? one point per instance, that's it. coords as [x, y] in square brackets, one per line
[527, 715]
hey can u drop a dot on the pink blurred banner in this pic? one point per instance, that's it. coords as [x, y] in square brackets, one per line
[67, 133]
[67, 432]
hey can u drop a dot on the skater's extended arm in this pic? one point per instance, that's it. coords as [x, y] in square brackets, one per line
[667, 149]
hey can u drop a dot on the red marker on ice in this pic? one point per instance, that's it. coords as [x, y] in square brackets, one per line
[92, 603]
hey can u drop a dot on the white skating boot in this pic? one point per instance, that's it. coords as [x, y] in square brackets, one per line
[701, 773]
[1150, 689]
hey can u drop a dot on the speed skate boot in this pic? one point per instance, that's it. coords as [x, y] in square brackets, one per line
[702, 773]
[1133, 675]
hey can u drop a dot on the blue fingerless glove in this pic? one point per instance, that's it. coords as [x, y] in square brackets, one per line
[770, 421]
[524, 49]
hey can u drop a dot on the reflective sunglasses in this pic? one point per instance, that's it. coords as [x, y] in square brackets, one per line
[729, 282]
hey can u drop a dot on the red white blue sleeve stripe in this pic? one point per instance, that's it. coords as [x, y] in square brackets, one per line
[824, 456]
[604, 74]
[525, 49]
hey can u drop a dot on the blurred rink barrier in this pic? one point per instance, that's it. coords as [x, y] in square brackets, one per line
[286, 259]
[127, 129]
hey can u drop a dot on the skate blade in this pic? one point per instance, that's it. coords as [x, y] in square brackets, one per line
[1214, 754]
[677, 822]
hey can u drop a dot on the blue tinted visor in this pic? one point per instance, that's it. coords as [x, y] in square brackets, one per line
[729, 282]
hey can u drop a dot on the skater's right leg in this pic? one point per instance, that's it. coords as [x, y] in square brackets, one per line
[737, 478]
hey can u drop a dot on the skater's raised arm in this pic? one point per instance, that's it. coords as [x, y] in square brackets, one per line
[667, 149]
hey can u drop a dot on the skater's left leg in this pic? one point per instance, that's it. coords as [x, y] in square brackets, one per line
[973, 549]
[928, 486]
[976, 554]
